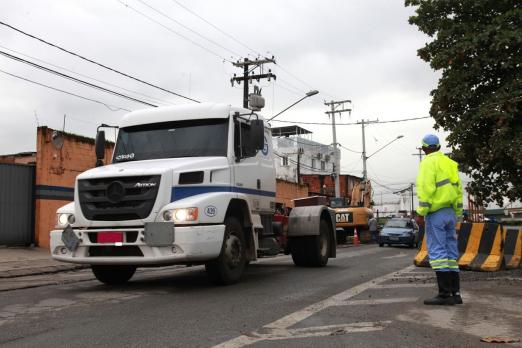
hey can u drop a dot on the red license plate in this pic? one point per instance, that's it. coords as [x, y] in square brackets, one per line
[110, 237]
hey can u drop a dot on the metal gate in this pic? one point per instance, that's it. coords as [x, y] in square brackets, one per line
[17, 184]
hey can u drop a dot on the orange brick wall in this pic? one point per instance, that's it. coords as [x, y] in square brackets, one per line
[58, 167]
[286, 191]
[18, 159]
[325, 184]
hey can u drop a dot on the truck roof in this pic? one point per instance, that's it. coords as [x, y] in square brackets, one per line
[179, 113]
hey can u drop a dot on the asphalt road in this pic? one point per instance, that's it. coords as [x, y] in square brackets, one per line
[367, 297]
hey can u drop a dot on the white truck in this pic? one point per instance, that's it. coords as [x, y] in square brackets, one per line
[188, 184]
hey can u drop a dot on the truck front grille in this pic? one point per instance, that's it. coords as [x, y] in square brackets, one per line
[117, 199]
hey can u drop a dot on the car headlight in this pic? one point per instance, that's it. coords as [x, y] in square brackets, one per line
[181, 215]
[64, 219]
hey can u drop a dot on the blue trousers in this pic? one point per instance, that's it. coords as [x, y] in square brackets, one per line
[442, 240]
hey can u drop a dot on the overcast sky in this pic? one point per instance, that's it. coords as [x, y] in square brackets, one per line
[359, 50]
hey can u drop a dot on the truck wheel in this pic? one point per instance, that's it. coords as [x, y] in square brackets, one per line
[229, 266]
[311, 251]
[113, 275]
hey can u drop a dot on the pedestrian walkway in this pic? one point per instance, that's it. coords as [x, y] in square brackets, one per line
[20, 262]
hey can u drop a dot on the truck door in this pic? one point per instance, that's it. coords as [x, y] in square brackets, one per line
[254, 173]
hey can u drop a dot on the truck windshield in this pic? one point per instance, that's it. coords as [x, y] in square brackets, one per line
[191, 138]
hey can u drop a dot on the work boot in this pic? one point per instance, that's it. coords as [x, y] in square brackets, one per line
[455, 287]
[444, 297]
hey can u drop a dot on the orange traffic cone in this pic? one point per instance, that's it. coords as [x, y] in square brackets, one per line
[355, 237]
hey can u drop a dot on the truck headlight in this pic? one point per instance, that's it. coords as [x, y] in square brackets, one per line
[64, 219]
[181, 215]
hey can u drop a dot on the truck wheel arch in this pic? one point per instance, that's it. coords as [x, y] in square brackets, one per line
[239, 209]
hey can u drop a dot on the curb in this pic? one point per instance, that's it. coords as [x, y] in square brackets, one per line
[24, 272]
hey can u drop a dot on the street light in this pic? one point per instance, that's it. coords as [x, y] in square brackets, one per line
[398, 137]
[307, 95]
[365, 174]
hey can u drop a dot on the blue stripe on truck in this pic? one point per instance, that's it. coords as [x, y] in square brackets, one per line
[181, 192]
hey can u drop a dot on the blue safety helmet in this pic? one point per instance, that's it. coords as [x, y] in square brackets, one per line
[430, 140]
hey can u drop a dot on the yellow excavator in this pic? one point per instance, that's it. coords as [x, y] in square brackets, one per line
[354, 213]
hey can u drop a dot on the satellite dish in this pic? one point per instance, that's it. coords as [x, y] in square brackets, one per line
[57, 139]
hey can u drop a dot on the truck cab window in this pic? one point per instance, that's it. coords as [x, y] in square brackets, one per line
[242, 145]
[194, 138]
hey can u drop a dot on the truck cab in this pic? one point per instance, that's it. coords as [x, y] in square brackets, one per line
[187, 184]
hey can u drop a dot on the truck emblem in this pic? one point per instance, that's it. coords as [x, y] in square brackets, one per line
[210, 210]
[129, 156]
[115, 192]
[265, 148]
[145, 184]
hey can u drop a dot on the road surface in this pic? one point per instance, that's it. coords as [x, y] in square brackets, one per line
[367, 297]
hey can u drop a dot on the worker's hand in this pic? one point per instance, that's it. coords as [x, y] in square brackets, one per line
[423, 211]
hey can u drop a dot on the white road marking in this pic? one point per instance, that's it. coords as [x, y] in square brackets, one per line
[404, 285]
[321, 331]
[395, 256]
[415, 276]
[379, 301]
[287, 321]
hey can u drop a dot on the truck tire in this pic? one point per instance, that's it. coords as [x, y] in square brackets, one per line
[311, 251]
[113, 275]
[229, 266]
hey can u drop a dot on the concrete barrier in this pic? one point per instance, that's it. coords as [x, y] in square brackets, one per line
[482, 247]
[490, 254]
[471, 247]
[463, 232]
[512, 248]
[421, 259]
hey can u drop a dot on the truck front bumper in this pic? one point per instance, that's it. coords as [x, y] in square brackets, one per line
[191, 244]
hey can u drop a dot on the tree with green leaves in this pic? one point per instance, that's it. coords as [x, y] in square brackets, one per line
[477, 45]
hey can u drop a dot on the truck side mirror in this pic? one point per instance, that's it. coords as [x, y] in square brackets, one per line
[100, 148]
[257, 134]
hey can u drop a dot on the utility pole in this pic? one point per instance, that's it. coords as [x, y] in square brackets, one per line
[363, 123]
[418, 154]
[246, 64]
[333, 110]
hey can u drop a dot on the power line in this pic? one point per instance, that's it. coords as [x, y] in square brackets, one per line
[353, 123]
[240, 43]
[301, 80]
[96, 63]
[188, 28]
[215, 27]
[278, 84]
[344, 147]
[86, 76]
[41, 67]
[108, 106]
[175, 32]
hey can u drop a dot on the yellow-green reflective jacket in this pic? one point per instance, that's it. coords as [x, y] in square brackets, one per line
[438, 184]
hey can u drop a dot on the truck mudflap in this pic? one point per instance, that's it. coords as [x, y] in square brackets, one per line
[306, 221]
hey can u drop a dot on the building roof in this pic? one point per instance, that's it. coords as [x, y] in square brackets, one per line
[289, 130]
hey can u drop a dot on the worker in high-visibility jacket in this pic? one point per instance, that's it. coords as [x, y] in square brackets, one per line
[439, 191]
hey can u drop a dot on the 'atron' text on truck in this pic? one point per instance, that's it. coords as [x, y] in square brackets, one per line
[189, 184]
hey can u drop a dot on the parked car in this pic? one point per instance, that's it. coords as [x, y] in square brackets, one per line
[400, 231]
